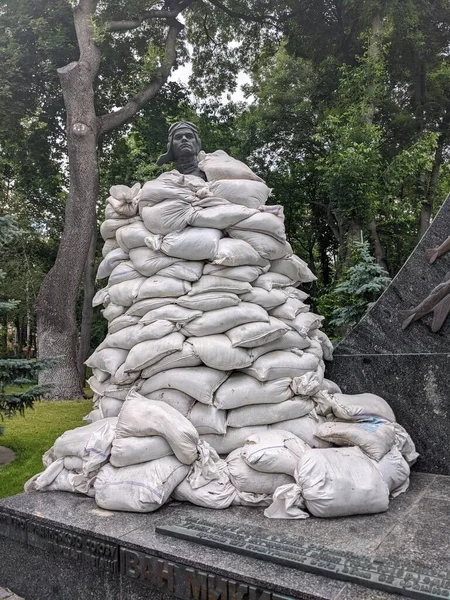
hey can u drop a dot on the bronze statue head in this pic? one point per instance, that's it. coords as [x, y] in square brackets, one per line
[184, 144]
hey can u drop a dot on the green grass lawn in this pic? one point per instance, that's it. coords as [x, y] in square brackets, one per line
[32, 435]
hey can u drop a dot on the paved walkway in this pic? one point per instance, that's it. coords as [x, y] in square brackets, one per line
[8, 595]
[6, 456]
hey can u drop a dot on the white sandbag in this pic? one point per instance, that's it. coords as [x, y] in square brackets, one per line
[109, 359]
[124, 271]
[264, 223]
[110, 407]
[77, 442]
[293, 267]
[220, 217]
[111, 260]
[121, 322]
[279, 363]
[93, 416]
[149, 262]
[219, 165]
[139, 488]
[101, 376]
[198, 382]
[266, 299]
[243, 390]
[142, 307]
[241, 191]
[314, 348]
[136, 450]
[355, 407]
[108, 246]
[244, 273]
[165, 217]
[257, 333]
[217, 352]
[304, 322]
[141, 417]
[109, 227]
[266, 246]
[97, 386]
[234, 438]
[289, 341]
[122, 377]
[125, 293]
[208, 301]
[171, 312]
[405, 444]
[120, 392]
[73, 463]
[187, 269]
[174, 398]
[112, 311]
[132, 236]
[217, 494]
[124, 199]
[375, 438]
[219, 321]
[330, 386]
[290, 309]
[395, 471]
[186, 357]
[211, 284]
[237, 252]
[128, 337]
[208, 419]
[57, 478]
[193, 243]
[269, 281]
[160, 287]
[327, 346]
[267, 414]
[168, 186]
[148, 353]
[335, 482]
[246, 479]
[101, 297]
[308, 384]
[294, 292]
[274, 451]
[304, 428]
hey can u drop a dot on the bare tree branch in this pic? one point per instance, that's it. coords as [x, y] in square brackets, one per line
[134, 105]
[144, 16]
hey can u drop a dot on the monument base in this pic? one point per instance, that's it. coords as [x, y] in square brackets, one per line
[58, 546]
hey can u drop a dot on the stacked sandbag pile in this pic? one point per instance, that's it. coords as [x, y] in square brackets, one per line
[211, 350]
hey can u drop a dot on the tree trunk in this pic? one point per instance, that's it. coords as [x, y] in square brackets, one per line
[377, 247]
[88, 311]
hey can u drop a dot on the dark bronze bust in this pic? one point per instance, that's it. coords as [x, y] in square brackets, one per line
[182, 148]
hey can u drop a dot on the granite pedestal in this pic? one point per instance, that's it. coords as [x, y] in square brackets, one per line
[409, 368]
[57, 546]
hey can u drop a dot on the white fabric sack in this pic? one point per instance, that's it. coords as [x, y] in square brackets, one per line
[149, 262]
[186, 357]
[73, 463]
[243, 390]
[57, 478]
[257, 333]
[218, 493]
[165, 217]
[112, 311]
[290, 309]
[211, 284]
[375, 438]
[234, 438]
[294, 292]
[304, 428]
[150, 352]
[121, 322]
[171, 312]
[101, 376]
[219, 321]
[109, 227]
[293, 267]
[139, 488]
[117, 391]
[125, 293]
[327, 346]
[246, 479]
[109, 359]
[279, 363]
[128, 337]
[355, 407]
[93, 416]
[198, 382]
[219, 165]
[266, 299]
[110, 213]
[79, 441]
[217, 352]
[264, 223]
[111, 260]
[142, 307]
[109, 245]
[274, 451]
[171, 185]
[405, 444]
[122, 377]
[314, 348]
[395, 471]
[123, 199]
[160, 287]
[142, 417]
[242, 191]
[136, 450]
[110, 407]
[269, 281]
[308, 384]
[97, 386]
[209, 301]
[267, 414]
[304, 322]
[238, 252]
[132, 236]
[208, 419]
[336, 482]
[174, 398]
[193, 243]
[266, 246]
[244, 273]
[124, 271]
[189, 270]
[220, 217]
[101, 297]
[330, 386]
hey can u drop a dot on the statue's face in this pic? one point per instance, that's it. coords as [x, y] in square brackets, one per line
[184, 143]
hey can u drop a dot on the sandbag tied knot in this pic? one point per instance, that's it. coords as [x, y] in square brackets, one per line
[287, 503]
[124, 200]
[206, 467]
